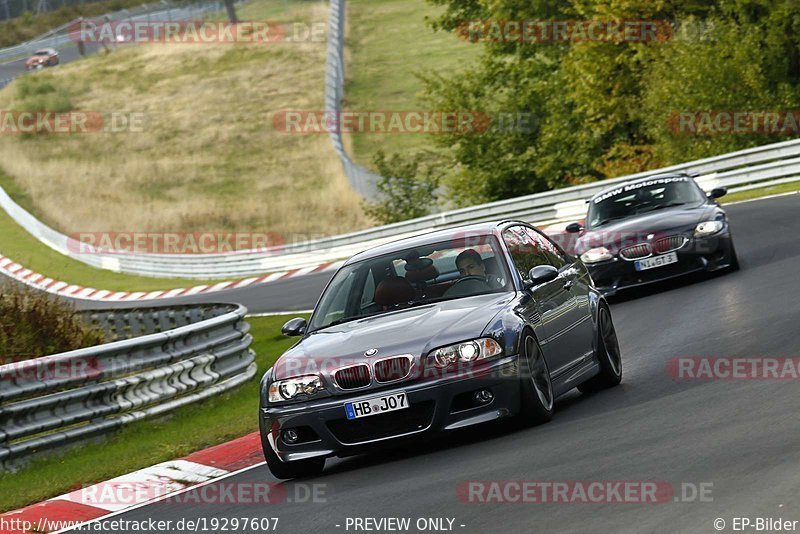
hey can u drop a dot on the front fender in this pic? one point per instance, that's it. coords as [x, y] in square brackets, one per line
[595, 300]
[506, 327]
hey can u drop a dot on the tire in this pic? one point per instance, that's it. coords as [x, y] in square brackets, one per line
[536, 387]
[607, 353]
[297, 469]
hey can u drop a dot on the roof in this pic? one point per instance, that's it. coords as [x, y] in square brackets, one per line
[457, 232]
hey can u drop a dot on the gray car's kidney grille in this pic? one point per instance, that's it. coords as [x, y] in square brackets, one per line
[353, 377]
[392, 369]
[636, 252]
[668, 244]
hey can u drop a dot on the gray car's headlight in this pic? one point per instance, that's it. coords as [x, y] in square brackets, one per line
[290, 388]
[468, 351]
[708, 228]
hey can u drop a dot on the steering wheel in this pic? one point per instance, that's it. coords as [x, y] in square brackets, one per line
[460, 288]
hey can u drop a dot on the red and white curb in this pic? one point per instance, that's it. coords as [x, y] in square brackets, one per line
[63, 289]
[135, 489]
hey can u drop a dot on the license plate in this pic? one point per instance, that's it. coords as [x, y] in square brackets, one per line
[378, 405]
[656, 261]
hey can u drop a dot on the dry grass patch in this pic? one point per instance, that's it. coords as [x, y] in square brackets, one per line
[208, 157]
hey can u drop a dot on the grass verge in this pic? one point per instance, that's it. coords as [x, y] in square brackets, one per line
[791, 187]
[144, 443]
[17, 244]
[390, 42]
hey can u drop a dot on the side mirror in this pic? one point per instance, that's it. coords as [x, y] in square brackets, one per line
[574, 228]
[541, 274]
[718, 192]
[294, 327]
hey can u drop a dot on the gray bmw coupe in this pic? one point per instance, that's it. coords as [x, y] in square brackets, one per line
[434, 333]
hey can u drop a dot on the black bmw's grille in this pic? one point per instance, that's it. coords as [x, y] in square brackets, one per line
[353, 377]
[636, 252]
[392, 369]
[668, 244]
[415, 417]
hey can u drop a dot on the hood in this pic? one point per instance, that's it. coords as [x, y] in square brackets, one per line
[414, 331]
[627, 232]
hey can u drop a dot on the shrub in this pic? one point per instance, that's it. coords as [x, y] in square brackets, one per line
[406, 190]
[34, 324]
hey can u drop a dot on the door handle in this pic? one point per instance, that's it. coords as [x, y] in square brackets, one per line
[569, 283]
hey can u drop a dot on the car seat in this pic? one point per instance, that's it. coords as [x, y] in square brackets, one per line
[393, 290]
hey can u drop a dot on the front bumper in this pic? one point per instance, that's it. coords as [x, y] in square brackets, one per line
[698, 254]
[435, 405]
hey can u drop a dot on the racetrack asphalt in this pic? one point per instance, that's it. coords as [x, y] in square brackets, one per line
[66, 54]
[737, 438]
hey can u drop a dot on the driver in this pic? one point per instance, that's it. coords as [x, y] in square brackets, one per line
[470, 263]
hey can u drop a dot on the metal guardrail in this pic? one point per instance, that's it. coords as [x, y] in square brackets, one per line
[163, 358]
[761, 165]
[60, 37]
[362, 180]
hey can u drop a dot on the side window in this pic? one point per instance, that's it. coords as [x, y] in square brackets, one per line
[526, 252]
[548, 249]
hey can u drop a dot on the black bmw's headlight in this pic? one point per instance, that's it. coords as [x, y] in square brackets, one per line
[596, 255]
[707, 228]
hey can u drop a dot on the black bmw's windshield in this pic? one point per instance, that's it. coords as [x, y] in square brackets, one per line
[643, 197]
[413, 277]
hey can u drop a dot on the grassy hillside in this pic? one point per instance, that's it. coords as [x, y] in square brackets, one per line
[207, 158]
[389, 43]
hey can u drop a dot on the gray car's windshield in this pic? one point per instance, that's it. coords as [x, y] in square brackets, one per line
[642, 197]
[412, 277]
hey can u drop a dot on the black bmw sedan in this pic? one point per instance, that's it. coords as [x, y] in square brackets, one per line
[653, 229]
[434, 333]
